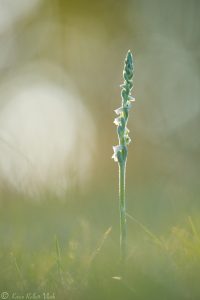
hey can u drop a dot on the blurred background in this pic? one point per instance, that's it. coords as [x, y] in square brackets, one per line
[61, 65]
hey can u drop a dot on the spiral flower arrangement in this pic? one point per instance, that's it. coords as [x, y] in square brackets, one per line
[121, 150]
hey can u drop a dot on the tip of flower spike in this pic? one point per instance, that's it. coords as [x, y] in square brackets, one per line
[128, 69]
[129, 57]
[129, 53]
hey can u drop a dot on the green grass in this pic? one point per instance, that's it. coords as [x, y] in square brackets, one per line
[82, 261]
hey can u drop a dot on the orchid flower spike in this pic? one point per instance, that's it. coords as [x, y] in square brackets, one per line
[121, 150]
[123, 110]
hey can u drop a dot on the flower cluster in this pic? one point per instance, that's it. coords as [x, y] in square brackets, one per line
[120, 151]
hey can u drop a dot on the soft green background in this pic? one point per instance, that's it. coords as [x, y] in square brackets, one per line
[89, 40]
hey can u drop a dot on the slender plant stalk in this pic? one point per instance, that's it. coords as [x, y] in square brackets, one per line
[122, 208]
[121, 150]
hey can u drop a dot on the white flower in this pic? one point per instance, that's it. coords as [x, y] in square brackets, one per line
[117, 121]
[130, 98]
[119, 110]
[116, 149]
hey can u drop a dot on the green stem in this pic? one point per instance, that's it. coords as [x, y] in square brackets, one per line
[122, 208]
